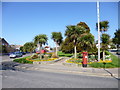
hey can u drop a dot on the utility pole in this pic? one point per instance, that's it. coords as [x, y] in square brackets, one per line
[98, 16]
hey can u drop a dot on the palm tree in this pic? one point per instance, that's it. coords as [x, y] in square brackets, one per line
[73, 32]
[103, 26]
[86, 41]
[57, 37]
[83, 24]
[105, 42]
[40, 40]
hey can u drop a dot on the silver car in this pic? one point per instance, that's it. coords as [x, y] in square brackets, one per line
[15, 54]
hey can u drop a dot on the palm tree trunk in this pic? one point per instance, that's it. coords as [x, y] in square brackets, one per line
[75, 52]
[56, 49]
[40, 51]
[103, 55]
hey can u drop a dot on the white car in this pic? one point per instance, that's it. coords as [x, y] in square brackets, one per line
[15, 54]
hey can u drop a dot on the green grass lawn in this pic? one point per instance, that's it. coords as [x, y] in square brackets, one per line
[113, 64]
[62, 54]
[23, 60]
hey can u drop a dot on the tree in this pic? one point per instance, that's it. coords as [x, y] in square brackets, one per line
[105, 42]
[116, 39]
[67, 46]
[86, 41]
[73, 32]
[28, 47]
[21, 49]
[40, 40]
[57, 37]
[83, 24]
[103, 26]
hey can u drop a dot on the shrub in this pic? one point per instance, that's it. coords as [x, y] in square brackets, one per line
[46, 56]
[50, 54]
[107, 53]
[34, 56]
[72, 60]
[54, 55]
[113, 64]
[80, 55]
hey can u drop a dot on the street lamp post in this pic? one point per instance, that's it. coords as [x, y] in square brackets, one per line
[98, 16]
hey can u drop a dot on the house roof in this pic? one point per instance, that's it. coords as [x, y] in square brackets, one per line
[2, 40]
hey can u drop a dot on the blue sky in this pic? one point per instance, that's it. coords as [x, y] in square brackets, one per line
[22, 21]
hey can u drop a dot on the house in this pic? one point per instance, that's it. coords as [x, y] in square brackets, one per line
[3, 42]
[5, 47]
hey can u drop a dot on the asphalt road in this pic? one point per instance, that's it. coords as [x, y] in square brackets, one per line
[13, 78]
[40, 79]
[6, 57]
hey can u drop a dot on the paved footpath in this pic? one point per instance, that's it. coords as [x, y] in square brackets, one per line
[58, 67]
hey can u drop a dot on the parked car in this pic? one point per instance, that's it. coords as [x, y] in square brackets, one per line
[15, 54]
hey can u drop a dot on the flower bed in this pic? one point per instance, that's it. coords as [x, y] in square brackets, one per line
[37, 61]
[78, 62]
[72, 60]
[50, 59]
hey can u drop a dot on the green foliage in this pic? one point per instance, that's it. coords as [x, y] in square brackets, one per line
[57, 37]
[40, 39]
[28, 47]
[54, 55]
[105, 38]
[86, 41]
[83, 24]
[112, 46]
[78, 35]
[73, 32]
[62, 54]
[103, 26]
[107, 53]
[116, 39]
[46, 56]
[67, 46]
[113, 64]
[50, 54]
[80, 55]
[97, 65]
[77, 61]
[105, 41]
[22, 49]
[23, 60]
[34, 56]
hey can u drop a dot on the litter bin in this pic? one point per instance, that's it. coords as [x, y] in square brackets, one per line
[85, 59]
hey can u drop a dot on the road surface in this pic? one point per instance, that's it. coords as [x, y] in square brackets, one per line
[14, 78]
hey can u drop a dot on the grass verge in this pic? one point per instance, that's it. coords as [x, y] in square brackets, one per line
[113, 64]
[62, 54]
[23, 60]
